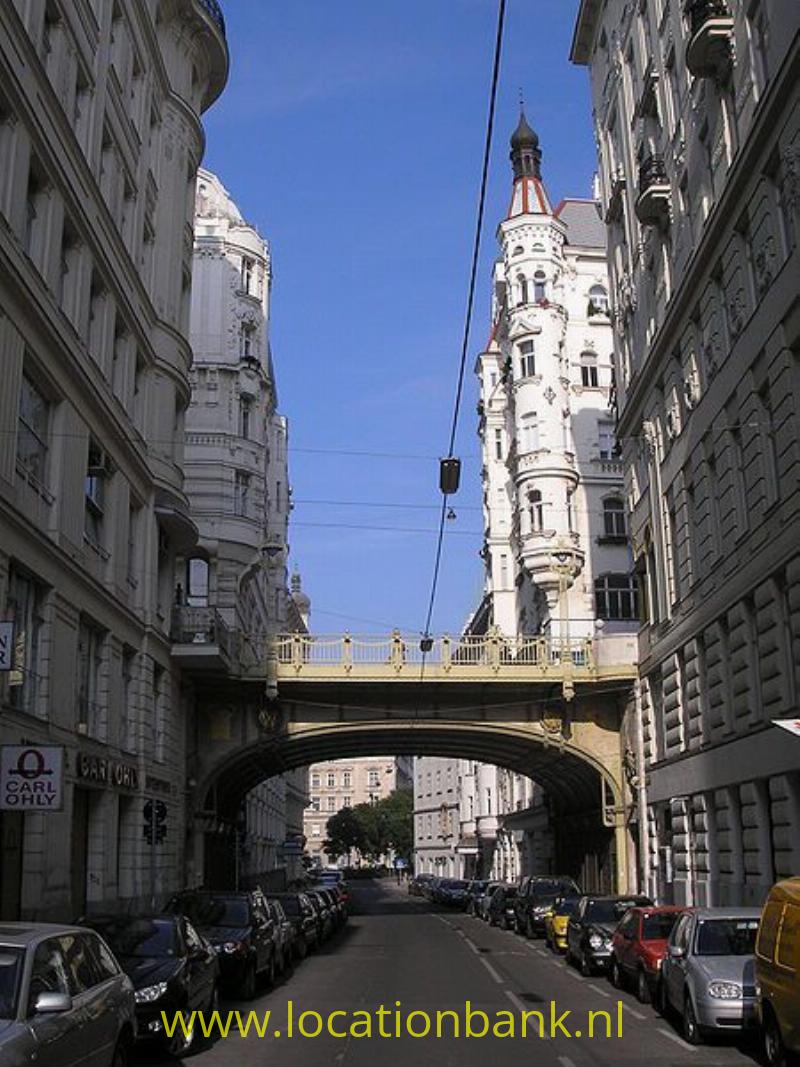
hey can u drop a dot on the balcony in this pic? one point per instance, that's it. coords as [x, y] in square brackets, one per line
[709, 53]
[201, 639]
[616, 199]
[215, 11]
[653, 202]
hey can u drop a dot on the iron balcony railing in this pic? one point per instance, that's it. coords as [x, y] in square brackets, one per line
[699, 12]
[652, 172]
[215, 11]
[201, 626]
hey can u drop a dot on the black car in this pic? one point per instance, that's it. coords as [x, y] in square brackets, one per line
[475, 890]
[590, 929]
[335, 906]
[239, 926]
[300, 913]
[325, 921]
[451, 892]
[501, 907]
[535, 897]
[172, 967]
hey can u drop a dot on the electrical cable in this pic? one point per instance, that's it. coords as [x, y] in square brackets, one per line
[498, 49]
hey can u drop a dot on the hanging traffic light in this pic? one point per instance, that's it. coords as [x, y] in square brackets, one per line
[155, 821]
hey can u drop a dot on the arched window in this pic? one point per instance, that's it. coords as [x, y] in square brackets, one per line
[522, 282]
[197, 582]
[614, 517]
[518, 251]
[589, 378]
[536, 506]
[539, 286]
[598, 300]
[538, 249]
[529, 432]
[616, 597]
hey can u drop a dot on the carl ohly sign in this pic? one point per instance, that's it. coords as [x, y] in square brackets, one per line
[106, 771]
[31, 778]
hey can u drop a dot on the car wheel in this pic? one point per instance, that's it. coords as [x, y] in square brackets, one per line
[122, 1053]
[615, 973]
[774, 1050]
[179, 1044]
[691, 1031]
[642, 988]
[586, 967]
[248, 988]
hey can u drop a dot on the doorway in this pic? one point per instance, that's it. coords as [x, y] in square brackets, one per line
[81, 801]
[12, 825]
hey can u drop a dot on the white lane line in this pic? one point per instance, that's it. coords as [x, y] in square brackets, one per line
[515, 1000]
[572, 974]
[491, 971]
[446, 922]
[597, 989]
[632, 1011]
[541, 951]
[565, 1061]
[676, 1039]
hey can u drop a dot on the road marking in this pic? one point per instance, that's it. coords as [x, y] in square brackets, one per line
[565, 1061]
[597, 989]
[676, 1039]
[541, 951]
[636, 1014]
[515, 1000]
[446, 922]
[491, 971]
[572, 974]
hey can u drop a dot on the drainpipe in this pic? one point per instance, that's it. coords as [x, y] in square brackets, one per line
[641, 795]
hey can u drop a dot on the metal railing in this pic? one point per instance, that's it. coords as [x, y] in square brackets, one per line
[201, 626]
[215, 11]
[699, 12]
[652, 172]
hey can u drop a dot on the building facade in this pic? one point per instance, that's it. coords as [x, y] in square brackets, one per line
[340, 784]
[233, 591]
[100, 141]
[697, 119]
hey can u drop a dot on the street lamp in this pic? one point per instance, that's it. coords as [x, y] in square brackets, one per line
[272, 554]
[564, 568]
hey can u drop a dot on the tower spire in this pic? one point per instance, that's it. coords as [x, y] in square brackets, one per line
[526, 156]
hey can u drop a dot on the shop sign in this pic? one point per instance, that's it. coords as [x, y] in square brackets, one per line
[104, 771]
[31, 778]
[6, 646]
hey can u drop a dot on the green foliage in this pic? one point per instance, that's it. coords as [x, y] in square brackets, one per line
[373, 830]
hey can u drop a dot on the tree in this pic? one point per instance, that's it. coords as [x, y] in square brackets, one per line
[345, 833]
[398, 813]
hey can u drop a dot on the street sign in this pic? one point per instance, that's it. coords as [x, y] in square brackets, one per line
[792, 725]
[6, 646]
[31, 778]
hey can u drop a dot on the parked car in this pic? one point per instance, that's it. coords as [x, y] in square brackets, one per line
[429, 887]
[555, 923]
[330, 876]
[638, 946]
[301, 914]
[452, 892]
[172, 967]
[62, 993]
[241, 929]
[708, 973]
[284, 935]
[535, 897]
[590, 929]
[475, 890]
[325, 920]
[501, 907]
[777, 970]
[482, 903]
[335, 905]
[416, 884]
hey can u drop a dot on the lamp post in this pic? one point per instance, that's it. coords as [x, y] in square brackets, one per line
[563, 566]
[272, 553]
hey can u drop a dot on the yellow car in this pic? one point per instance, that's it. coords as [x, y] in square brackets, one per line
[555, 923]
[777, 968]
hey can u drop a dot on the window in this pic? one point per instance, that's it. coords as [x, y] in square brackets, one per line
[570, 510]
[241, 493]
[614, 517]
[32, 427]
[127, 738]
[616, 597]
[373, 778]
[197, 574]
[315, 830]
[522, 285]
[90, 661]
[245, 411]
[97, 472]
[606, 442]
[315, 780]
[589, 378]
[539, 286]
[330, 780]
[536, 508]
[598, 300]
[331, 803]
[498, 444]
[346, 779]
[529, 432]
[527, 359]
[246, 341]
[25, 609]
[347, 802]
[248, 268]
[160, 713]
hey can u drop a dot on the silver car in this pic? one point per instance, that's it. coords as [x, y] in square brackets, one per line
[64, 1000]
[708, 973]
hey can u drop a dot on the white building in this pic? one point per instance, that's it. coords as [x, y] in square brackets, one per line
[100, 141]
[234, 589]
[697, 119]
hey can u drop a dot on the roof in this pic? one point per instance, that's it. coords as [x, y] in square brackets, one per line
[23, 933]
[585, 226]
[727, 913]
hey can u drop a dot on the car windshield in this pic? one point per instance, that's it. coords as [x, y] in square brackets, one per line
[223, 911]
[658, 927]
[452, 883]
[478, 887]
[726, 937]
[509, 892]
[10, 974]
[547, 888]
[607, 911]
[567, 907]
[291, 905]
[139, 938]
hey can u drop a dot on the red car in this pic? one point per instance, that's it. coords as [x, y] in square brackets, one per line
[638, 947]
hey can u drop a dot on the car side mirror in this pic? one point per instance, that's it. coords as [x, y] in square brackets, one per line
[50, 1003]
[677, 952]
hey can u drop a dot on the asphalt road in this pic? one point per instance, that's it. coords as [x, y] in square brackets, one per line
[397, 948]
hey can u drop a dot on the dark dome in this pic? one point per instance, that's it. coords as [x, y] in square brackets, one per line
[524, 136]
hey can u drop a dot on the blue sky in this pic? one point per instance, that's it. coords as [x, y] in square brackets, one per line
[351, 133]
